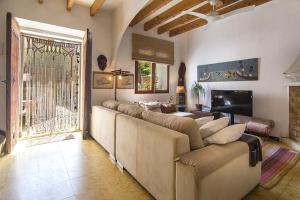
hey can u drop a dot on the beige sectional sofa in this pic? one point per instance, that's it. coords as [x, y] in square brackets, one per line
[162, 161]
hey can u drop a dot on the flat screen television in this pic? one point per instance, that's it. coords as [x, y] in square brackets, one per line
[232, 101]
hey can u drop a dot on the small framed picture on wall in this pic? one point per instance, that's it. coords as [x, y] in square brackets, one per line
[103, 80]
[125, 82]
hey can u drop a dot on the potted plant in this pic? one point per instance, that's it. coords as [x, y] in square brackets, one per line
[197, 91]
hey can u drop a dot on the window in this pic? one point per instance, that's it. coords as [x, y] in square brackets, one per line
[151, 77]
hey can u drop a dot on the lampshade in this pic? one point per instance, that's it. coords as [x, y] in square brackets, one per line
[294, 71]
[180, 89]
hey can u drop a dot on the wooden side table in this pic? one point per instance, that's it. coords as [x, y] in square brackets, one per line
[200, 113]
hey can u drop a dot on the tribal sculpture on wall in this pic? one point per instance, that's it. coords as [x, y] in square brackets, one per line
[50, 87]
[181, 74]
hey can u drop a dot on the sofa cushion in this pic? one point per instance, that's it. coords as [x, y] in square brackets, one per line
[149, 105]
[227, 135]
[208, 159]
[214, 126]
[132, 110]
[203, 120]
[111, 104]
[183, 125]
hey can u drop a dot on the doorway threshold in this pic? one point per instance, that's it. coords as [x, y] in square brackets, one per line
[50, 139]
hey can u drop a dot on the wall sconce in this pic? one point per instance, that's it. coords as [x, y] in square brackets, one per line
[118, 73]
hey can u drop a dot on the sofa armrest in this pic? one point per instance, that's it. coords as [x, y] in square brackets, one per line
[212, 157]
[222, 168]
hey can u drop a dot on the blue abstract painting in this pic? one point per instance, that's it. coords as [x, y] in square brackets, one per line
[240, 70]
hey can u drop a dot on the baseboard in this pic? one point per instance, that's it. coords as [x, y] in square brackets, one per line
[112, 158]
[120, 166]
[275, 138]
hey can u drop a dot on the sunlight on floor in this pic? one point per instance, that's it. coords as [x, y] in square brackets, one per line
[70, 169]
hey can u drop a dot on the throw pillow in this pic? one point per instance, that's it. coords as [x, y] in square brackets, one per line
[214, 126]
[111, 104]
[184, 125]
[227, 135]
[203, 120]
[149, 105]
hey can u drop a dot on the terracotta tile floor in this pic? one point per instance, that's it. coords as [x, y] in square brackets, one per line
[72, 169]
[76, 169]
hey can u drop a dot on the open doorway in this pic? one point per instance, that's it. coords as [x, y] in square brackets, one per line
[48, 76]
[50, 86]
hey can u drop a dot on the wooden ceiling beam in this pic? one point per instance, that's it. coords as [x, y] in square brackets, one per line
[148, 10]
[180, 21]
[171, 12]
[70, 4]
[96, 6]
[185, 19]
[199, 22]
[242, 4]
[190, 26]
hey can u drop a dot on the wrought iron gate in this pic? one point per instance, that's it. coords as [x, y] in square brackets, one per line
[50, 87]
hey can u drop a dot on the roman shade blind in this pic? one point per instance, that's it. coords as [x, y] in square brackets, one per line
[152, 49]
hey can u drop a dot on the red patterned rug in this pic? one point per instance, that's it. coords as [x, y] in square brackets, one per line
[277, 161]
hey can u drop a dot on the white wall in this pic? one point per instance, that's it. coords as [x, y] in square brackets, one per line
[125, 62]
[54, 12]
[271, 33]
[122, 16]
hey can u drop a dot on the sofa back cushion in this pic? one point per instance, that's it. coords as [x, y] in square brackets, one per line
[204, 120]
[214, 126]
[227, 135]
[183, 125]
[111, 104]
[131, 109]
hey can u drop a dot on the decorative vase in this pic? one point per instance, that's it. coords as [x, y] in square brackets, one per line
[198, 106]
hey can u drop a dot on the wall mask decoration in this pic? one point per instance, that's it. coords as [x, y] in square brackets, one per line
[240, 70]
[102, 62]
[181, 74]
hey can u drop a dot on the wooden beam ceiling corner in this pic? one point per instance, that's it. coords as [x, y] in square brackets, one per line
[171, 12]
[96, 6]
[70, 4]
[225, 9]
[148, 10]
[205, 9]
[242, 4]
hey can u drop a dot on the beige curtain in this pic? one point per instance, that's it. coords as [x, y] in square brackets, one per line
[152, 49]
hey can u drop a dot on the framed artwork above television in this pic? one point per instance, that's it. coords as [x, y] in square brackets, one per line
[240, 70]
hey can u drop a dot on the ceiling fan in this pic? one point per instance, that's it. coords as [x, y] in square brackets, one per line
[214, 15]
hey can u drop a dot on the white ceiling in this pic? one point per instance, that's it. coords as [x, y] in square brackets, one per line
[108, 5]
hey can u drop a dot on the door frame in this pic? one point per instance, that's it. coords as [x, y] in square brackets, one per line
[12, 125]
